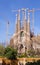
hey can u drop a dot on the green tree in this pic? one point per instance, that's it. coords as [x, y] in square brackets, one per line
[2, 49]
[10, 53]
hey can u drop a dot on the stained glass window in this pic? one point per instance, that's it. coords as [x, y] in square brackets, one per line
[22, 34]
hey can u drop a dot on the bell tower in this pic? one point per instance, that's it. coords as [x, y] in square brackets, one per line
[24, 25]
[28, 32]
[19, 26]
[16, 23]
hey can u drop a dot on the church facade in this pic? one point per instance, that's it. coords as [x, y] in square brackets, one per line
[23, 40]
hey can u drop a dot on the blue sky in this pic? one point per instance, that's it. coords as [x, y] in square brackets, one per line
[6, 7]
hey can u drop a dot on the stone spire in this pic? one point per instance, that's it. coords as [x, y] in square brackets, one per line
[19, 25]
[28, 25]
[16, 23]
[25, 21]
[28, 32]
[24, 18]
[18, 20]
[25, 14]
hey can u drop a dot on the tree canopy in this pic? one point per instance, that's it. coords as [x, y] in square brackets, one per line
[2, 49]
[10, 53]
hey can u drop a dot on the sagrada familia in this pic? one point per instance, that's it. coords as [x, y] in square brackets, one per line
[24, 39]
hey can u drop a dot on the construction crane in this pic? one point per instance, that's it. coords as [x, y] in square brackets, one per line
[7, 26]
[32, 19]
[16, 11]
[17, 15]
[33, 10]
[7, 33]
[23, 11]
[29, 11]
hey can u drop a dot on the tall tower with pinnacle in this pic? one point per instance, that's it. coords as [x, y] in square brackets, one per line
[28, 32]
[25, 25]
[18, 26]
[16, 23]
